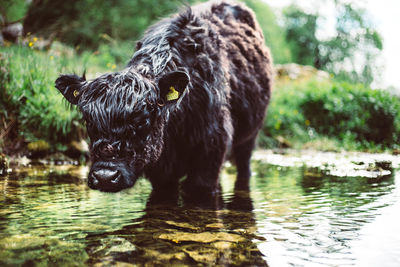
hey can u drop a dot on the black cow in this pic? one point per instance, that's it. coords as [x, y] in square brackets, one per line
[197, 86]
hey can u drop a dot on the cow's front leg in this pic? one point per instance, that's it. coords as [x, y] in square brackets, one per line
[203, 173]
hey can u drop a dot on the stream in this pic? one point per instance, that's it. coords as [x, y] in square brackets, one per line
[302, 209]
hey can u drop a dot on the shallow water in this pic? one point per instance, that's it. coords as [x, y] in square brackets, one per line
[292, 216]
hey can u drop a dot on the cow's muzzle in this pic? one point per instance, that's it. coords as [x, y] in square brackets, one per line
[108, 178]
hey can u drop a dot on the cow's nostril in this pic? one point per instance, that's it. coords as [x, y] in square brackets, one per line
[106, 175]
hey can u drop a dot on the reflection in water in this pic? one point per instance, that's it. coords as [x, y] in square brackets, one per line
[289, 216]
[309, 217]
[174, 232]
[46, 215]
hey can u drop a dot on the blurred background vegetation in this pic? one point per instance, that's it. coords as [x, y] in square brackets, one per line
[322, 97]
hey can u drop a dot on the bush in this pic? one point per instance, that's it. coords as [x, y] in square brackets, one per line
[367, 114]
[356, 116]
[12, 10]
[28, 94]
[84, 22]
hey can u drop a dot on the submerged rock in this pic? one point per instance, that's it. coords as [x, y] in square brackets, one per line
[205, 237]
[30, 250]
[182, 225]
[115, 245]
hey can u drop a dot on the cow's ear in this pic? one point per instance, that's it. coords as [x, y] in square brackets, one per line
[70, 86]
[172, 86]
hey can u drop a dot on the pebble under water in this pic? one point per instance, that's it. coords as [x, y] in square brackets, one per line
[300, 214]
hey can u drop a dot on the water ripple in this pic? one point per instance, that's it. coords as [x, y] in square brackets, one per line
[290, 217]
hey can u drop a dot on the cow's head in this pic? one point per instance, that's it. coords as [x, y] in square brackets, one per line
[125, 115]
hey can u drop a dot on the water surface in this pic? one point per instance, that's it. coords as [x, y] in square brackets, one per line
[291, 216]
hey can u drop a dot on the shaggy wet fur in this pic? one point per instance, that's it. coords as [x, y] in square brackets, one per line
[214, 55]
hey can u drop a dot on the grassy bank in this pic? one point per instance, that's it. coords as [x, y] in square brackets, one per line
[304, 113]
[31, 108]
[331, 115]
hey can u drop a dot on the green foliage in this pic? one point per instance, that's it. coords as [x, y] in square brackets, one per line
[301, 35]
[274, 35]
[112, 51]
[12, 10]
[355, 41]
[369, 115]
[27, 90]
[28, 93]
[355, 116]
[84, 22]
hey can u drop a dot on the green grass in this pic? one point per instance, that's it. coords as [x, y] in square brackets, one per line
[331, 115]
[28, 94]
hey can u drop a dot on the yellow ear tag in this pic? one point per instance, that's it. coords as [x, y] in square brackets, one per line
[172, 94]
[76, 93]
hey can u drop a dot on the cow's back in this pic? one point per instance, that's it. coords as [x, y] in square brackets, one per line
[249, 72]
